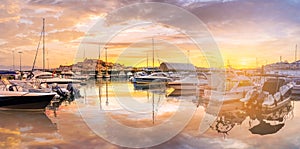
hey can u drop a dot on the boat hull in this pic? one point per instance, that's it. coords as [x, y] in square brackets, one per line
[296, 90]
[150, 80]
[29, 101]
[183, 86]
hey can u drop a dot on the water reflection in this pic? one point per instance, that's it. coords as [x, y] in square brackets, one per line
[238, 124]
[227, 119]
[261, 122]
[29, 128]
[155, 93]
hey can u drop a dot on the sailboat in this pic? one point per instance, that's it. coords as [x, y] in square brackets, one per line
[43, 76]
[154, 78]
[40, 80]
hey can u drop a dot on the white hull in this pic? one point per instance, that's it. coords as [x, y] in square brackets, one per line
[183, 86]
[296, 90]
[223, 96]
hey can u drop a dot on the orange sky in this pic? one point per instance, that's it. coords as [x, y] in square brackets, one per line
[247, 33]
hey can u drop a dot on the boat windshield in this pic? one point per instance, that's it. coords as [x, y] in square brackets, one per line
[272, 86]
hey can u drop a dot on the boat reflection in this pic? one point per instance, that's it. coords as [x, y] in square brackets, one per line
[271, 121]
[266, 122]
[33, 121]
[33, 127]
[155, 85]
[229, 116]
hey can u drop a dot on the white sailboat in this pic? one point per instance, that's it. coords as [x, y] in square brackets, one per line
[154, 77]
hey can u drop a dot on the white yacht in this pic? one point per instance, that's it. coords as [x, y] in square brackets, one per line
[152, 78]
[235, 89]
[49, 78]
[190, 82]
[272, 95]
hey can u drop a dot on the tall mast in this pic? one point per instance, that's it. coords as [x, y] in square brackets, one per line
[43, 44]
[147, 61]
[152, 54]
[106, 62]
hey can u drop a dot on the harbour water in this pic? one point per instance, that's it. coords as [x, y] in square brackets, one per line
[79, 124]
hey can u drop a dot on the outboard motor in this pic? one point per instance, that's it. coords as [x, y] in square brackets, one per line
[58, 90]
[74, 92]
[70, 88]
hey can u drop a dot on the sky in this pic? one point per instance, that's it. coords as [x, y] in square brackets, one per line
[242, 33]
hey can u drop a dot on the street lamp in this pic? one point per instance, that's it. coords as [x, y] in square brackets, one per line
[20, 52]
[13, 60]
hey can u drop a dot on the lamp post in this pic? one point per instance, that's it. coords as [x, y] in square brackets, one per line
[20, 52]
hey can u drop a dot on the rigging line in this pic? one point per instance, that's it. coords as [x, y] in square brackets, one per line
[37, 49]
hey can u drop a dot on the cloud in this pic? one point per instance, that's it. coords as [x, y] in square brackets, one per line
[65, 36]
[257, 25]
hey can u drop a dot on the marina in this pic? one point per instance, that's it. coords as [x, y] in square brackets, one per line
[149, 74]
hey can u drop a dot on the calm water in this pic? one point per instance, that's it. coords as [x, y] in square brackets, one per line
[124, 116]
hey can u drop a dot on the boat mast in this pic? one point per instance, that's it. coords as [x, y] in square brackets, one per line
[152, 55]
[106, 61]
[37, 49]
[147, 61]
[43, 44]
